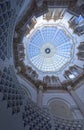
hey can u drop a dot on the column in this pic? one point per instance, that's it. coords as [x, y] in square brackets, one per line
[83, 127]
[76, 99]
[40, 96]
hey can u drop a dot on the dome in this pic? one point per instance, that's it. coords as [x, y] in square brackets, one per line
[49, 48]
[41, 65]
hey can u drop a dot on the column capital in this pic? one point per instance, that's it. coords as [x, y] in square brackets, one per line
[40, 87]
[69, 88]
[18, 69]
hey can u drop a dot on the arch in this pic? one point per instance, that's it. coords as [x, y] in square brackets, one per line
[26, 91]
[60, 107]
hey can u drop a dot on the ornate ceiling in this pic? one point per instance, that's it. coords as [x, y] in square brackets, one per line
[49, 48]
[46, 50]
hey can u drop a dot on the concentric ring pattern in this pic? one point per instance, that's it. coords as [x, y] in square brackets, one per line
[49, 49]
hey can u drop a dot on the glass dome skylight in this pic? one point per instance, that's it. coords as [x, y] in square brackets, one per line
[49, 49]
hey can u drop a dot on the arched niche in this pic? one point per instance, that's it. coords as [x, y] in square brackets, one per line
[60, 108]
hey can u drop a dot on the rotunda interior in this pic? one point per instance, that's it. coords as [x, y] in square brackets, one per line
[42, 65]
